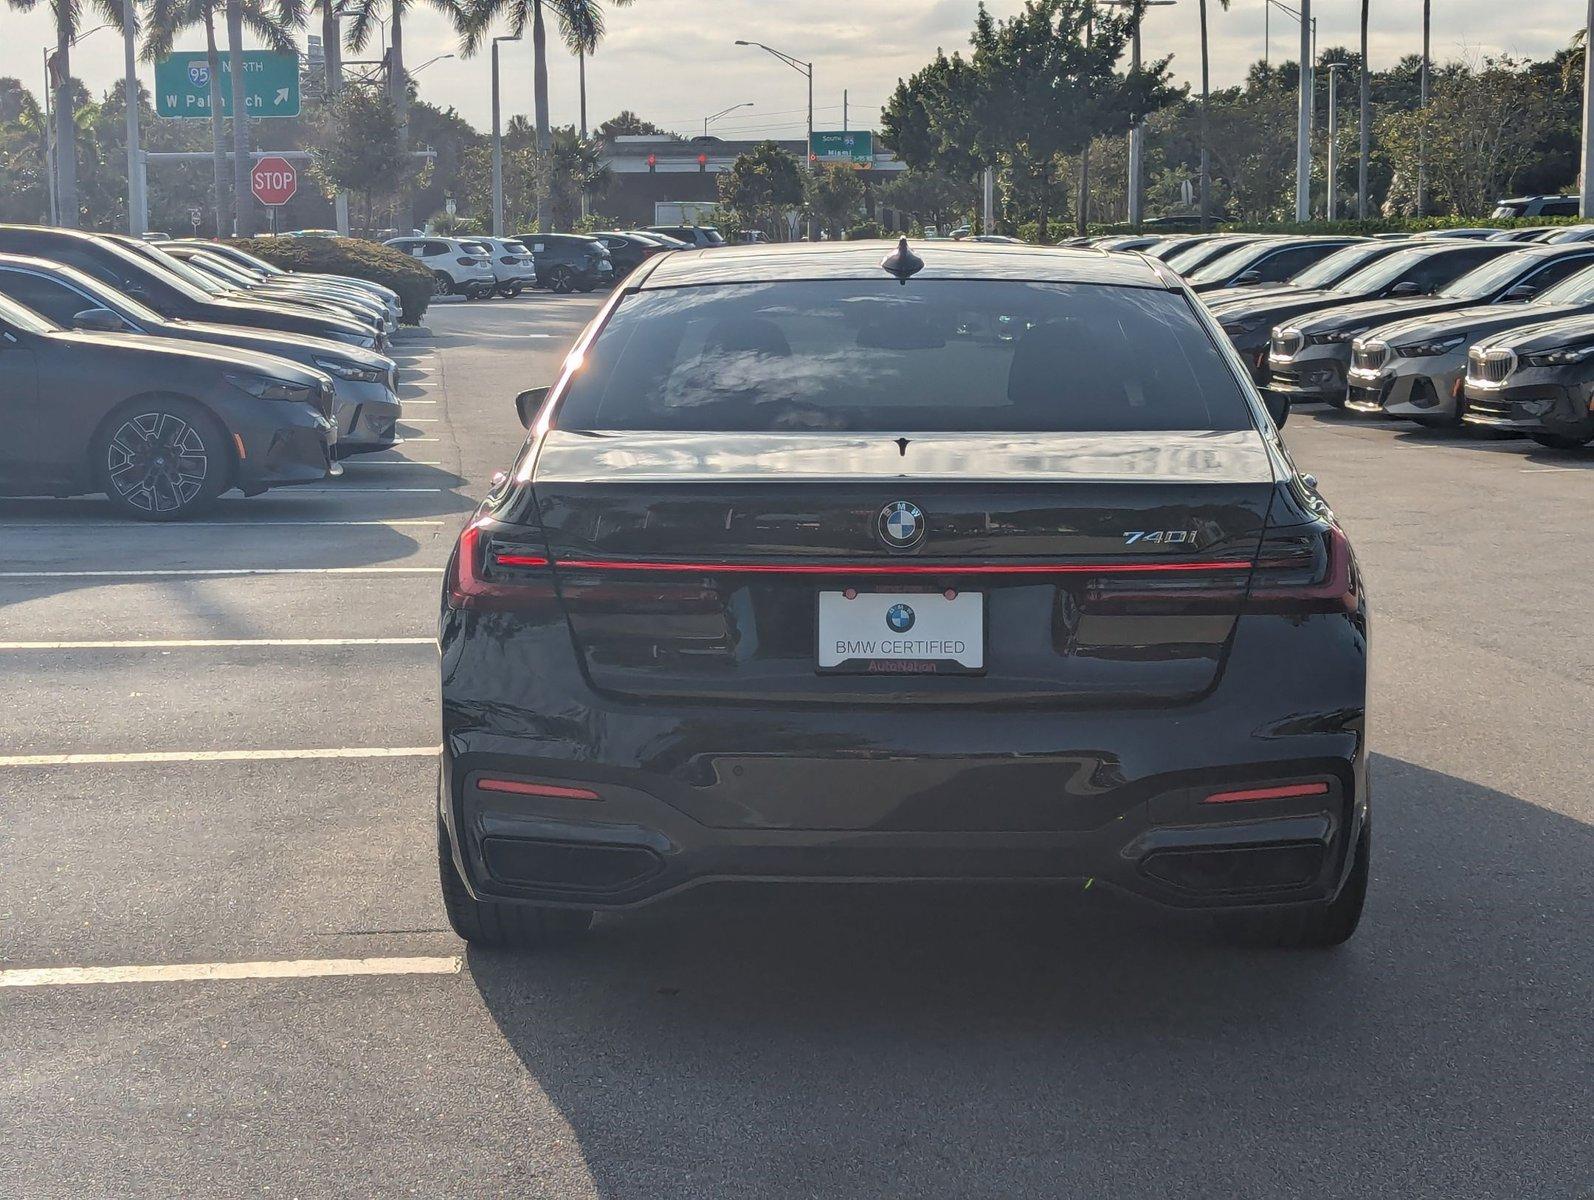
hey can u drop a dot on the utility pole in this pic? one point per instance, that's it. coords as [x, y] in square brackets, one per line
[1422, 121]
[1588, 116]
[1364, 123]
[1303, 122]
[843, 110]
[49, 140]
[1331, 208]
[137, 205]
[332, 52]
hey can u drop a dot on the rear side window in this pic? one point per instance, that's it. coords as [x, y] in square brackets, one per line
[45, 296]
[934, 356]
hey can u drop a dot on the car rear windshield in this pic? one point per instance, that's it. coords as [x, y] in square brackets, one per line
[511, 246]
[933, 356]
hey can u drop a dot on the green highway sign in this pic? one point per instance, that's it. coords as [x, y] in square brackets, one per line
[271, 85]
[856, 147]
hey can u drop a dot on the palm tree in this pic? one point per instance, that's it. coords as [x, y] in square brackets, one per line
[1364, 121]
[1206, 158]
[169, 19]
[398, 80]
[68, 18]
[581, 25]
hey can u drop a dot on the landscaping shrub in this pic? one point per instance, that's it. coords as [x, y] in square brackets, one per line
[351, 256]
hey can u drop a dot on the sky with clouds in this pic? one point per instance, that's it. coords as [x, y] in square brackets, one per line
[675, 61]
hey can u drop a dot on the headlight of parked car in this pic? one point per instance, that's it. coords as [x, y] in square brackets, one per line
[1437, 346]
[265, 388]
[1333, 337]
[1566, 356]
[351, 371]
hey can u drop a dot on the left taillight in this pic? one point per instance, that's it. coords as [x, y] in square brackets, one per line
[498, 568]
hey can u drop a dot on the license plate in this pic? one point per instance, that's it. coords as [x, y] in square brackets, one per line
[901, 633]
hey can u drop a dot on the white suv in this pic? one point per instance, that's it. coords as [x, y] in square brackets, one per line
[459, 267]
[514, 268]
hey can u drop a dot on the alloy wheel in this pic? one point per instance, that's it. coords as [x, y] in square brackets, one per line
[157, 462]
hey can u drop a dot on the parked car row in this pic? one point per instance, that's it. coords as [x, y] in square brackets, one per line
[478, 267]
[1453, 328]
[163, 374]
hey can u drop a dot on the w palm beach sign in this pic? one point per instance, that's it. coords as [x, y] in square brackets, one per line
[271, 85]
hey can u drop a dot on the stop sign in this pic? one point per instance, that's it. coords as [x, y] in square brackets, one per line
[274, 181]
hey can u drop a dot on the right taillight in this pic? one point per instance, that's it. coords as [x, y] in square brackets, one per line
[1304, 568]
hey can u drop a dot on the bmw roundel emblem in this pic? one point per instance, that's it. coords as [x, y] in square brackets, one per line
[901, 525]
[900, 618]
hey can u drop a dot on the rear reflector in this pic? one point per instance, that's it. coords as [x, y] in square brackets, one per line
[915, 568]
[517, 788]
[1283, 792]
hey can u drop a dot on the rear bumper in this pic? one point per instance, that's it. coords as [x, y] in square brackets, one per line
[693, 795]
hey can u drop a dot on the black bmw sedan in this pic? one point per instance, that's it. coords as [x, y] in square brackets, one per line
[982, 565]
[162, 427]
[1537, 380]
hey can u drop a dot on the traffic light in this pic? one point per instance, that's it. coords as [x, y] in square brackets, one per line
[702, 162]
[653, 163]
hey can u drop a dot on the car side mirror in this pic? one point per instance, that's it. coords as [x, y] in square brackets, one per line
[1248, 277]
[1278, 407]
[1408, 288]
[98, 320]
[529, 403]
[1522, 291]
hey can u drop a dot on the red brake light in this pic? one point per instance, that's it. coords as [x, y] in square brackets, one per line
[1282, 792]
[517, 788]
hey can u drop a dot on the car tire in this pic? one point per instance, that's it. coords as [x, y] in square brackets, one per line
[442, 285]
[561, 280]
[485, 923]
[133, 455]
[1318, 927]
[1557, 441]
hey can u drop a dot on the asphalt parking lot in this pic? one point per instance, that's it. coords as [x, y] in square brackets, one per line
[217, 749]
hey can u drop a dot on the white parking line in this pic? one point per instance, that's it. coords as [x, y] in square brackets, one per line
[408, 403]
[350, 489]
[418, 420]
[391, 462]
[1554, 470]
[202, 756]
[303, 968]
[182, 571]
[205, 643]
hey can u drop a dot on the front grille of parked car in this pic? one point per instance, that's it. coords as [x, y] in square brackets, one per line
[1490, 366]
[1287, 343]
[1369, 357]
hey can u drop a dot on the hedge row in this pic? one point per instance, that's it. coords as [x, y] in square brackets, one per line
[351, 256]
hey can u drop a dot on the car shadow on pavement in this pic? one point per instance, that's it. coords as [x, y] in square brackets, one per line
[888, 1043]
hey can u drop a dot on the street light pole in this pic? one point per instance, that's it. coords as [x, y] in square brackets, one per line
[1587, 206]
[49, 140]
[1303, 121]
[1137, 132]
[498, 145]
[722, 112]
[806, 68]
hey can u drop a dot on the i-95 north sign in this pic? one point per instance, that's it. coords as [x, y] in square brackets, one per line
[182, 85]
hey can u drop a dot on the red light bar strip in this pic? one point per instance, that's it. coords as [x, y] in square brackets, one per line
[1268, 793]
[520, 560]
[515, 787]
[901, 568]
